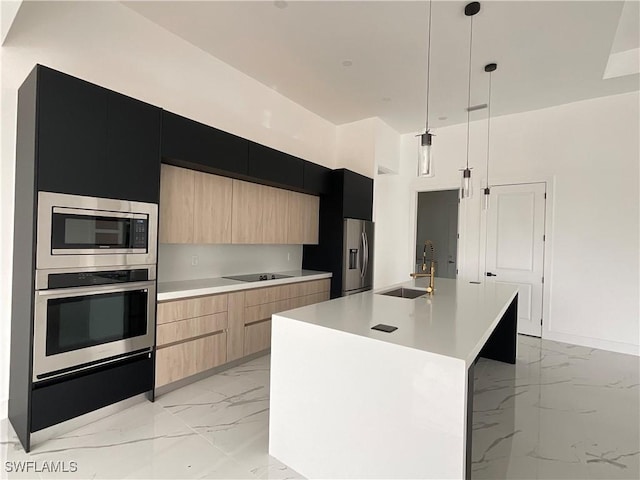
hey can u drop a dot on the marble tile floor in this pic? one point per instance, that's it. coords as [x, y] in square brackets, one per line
[562, 411]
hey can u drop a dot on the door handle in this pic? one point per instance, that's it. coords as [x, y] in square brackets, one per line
[451, 261]
[489, 274]
[363, 249]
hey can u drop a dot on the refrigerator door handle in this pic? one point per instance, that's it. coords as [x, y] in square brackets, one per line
[365, 255]
[363, 249]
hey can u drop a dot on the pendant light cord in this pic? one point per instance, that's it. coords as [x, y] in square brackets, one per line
[469, 93]
[488, 128]
[428, 67]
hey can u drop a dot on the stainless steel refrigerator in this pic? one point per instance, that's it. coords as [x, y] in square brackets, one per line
[357, 267]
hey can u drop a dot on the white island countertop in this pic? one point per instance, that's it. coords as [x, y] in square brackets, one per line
[211, 286]
[456, 321]
[347, 401]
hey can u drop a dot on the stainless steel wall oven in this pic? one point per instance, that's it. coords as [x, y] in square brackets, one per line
[90, 317]
[95, 282]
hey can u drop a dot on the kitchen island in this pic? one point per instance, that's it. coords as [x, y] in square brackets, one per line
[348, 401]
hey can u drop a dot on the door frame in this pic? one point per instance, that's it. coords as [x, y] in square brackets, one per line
[550, 183]
[414, 220]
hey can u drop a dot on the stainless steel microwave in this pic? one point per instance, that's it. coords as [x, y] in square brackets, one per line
[75, 231]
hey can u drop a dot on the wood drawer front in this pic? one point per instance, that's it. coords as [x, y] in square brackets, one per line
[309, 299]
[191, 307]
[266, 295]
[186, 359]
[192, 327]
[257, 337]
[264, 311]
[308, 288]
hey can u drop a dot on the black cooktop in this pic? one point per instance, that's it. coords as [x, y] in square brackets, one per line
[257, 277]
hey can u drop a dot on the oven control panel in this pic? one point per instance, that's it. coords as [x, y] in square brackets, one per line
[82, 279]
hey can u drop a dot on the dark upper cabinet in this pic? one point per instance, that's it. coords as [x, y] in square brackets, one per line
[133, 148]
[192, 144]
[316, 178]
[71, 133]
[275, 167]
[357, 195]
[95, 142]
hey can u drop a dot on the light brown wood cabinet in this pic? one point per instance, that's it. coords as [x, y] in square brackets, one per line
[303, 217]
[195, 207]
[185, 359]
[261, 303]
[257, 337]
[212, 208]
[176, 205]
[247, 224]
[275, 215]
[235, 332]
[191, 337]
[201, 208]
[197, 334]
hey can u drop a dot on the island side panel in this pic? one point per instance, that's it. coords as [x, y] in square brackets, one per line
[346, 406]
[502, 343]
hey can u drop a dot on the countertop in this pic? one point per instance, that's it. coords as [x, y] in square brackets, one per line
[211, 286]
[455, 322]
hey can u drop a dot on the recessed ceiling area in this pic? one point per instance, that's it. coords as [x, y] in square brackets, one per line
[347, 61]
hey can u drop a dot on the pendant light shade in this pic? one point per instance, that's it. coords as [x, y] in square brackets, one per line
[470, 10]
[489, 68]
[425, 151]
[425, 156]
[466, 189]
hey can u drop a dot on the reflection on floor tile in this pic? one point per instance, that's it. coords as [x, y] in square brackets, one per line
[562, 411]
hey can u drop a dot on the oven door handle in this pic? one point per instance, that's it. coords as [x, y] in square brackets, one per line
[80, 291]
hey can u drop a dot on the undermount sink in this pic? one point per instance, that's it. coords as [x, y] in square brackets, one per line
[404, 293]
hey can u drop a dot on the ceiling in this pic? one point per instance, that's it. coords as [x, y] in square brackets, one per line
[548, 53]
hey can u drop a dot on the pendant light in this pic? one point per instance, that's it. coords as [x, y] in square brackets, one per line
[465, 192]
[425, 152]
[489, 68]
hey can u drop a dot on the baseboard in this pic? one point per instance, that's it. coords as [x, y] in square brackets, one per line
[590, 342]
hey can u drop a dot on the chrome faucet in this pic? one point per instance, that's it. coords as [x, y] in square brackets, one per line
[423, 268]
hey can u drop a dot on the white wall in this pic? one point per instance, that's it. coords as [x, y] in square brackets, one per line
[8, 11]
[109, 44]
[355, 146]
[589, 153]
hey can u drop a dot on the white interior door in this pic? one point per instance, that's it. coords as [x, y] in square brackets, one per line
[515, 247]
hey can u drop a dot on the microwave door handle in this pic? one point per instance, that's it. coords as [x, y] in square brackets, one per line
[80, 291]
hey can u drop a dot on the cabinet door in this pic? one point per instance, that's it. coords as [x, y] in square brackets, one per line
[235, 331]
[212, 204]
[357, 196]
[72, 135]
[303, 218]
[257, 337]
[176, 205]
[185, 359]
[189, 142]
[275, 215]
[275, 167]
[246, 224]
[311, 217]
[295, 220]
[316, 178]
[132, 171]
